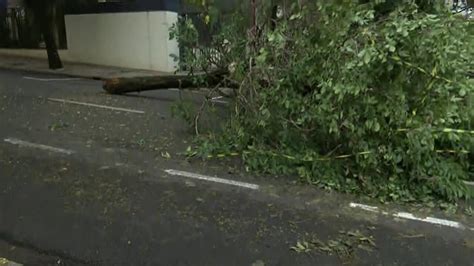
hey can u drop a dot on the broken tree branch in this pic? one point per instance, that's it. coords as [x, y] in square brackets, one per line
[136, 84]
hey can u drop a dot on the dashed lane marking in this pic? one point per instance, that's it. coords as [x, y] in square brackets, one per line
[431, 220]
[212, 179]
[27, 144]
[364, 207]
[410, 216]
[96, 106]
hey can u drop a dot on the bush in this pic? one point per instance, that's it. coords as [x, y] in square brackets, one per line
[348, 97]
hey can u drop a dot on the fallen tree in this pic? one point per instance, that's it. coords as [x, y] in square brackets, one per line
[136, 84]
[349, 99]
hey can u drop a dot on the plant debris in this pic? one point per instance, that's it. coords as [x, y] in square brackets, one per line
[344, 246]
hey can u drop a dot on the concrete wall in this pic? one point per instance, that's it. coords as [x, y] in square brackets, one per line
[133, 39]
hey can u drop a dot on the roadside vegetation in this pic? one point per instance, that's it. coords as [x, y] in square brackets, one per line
[370, 97]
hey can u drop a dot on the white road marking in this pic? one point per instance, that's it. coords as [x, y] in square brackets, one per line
[212, 179]
[409, 216]
[97, 106]
[430, 220]
[364, 207]
[27, 144]
[52, 79]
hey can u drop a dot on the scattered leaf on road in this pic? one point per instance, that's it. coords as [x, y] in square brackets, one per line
[165, 155]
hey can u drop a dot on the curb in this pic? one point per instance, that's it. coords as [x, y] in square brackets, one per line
[55, 72]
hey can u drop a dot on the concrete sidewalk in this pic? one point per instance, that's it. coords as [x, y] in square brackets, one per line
[71, 69]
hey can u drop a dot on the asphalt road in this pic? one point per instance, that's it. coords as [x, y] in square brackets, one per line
[86, 183]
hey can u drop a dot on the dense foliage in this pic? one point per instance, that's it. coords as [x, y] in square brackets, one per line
[361, 96]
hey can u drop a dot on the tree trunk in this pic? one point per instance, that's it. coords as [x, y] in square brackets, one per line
[124, 85]
[54, 60]
[47, 21]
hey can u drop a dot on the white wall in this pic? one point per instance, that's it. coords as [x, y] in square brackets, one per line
[134, 40]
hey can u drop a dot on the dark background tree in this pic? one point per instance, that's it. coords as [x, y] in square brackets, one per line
[45, 14]
[4, 32]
